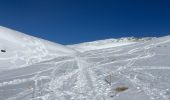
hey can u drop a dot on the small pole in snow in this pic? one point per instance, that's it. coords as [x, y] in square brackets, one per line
[110, 78]
[34, 88]
[33, 94]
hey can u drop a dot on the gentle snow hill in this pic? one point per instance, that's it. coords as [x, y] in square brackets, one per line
[22, 50]
[111, 69]
[107, 43]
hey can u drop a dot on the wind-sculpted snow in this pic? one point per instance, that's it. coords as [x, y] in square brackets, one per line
[138, 71]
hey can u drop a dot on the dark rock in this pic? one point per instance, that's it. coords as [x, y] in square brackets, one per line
[3, 50]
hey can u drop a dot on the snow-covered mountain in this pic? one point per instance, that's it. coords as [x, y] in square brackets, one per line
[23, 50]
[111, 69]
[107, 43]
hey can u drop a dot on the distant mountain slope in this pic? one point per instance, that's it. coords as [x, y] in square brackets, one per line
[18, 49]
[107, 43]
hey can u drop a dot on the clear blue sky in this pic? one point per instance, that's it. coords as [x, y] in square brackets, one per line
[74, 21]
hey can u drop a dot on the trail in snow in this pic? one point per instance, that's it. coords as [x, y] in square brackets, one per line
[89, 75]
[98, 88]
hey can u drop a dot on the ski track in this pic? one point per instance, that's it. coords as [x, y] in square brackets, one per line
[84, 82]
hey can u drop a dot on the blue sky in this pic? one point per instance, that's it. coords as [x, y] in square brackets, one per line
[74, 21]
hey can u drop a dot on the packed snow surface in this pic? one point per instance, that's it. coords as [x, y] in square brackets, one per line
[35, 69]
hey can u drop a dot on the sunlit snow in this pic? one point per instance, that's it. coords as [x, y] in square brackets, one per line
[36, 69]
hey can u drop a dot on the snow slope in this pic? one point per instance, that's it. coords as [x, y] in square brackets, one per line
[142, 68]
[107, 43]
[23, 50]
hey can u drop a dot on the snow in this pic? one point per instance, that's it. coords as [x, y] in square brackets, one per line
[23, 50]
[81, 48]
[95, 73]
[107, 43]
